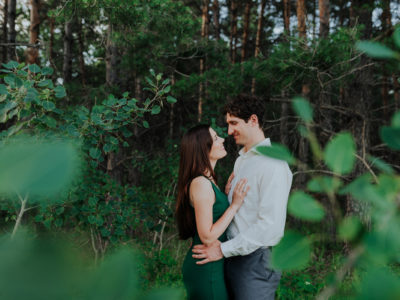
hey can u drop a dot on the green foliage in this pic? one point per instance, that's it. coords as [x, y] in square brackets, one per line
[39, 168]
[293, 252]
[98, 203]
[303, 109]
[52, 269]
[28, 100]
[376, 50]
[277, 151]
[372, 250]
[303, 206]
[339, 154]
[115, 279]
[324, 184]
[349, 228]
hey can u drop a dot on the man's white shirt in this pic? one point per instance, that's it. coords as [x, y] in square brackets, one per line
[260, 221]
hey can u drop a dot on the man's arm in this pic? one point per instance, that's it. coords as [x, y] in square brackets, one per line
[268, 229]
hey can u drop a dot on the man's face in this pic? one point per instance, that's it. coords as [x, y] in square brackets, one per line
[238, 128]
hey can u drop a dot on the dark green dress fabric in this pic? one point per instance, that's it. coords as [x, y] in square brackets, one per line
[206, 282]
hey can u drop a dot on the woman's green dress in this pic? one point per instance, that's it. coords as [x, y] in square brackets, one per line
[206, 282]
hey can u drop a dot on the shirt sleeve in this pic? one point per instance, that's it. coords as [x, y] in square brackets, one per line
[273, 189]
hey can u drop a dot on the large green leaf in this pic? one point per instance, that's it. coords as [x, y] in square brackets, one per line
[324, 184]
[3, 90]
[292, 253]
[339, 154]
[94, 153]
[303, 109]
[47, 71]
[11, 64]
[363, 190]
[49, 121]
[10, 80]
[48, 105]
[391, 136]
[277, 151]
[32, 95]
[303, 206]
[171, 99]
[156, 109]
[349, 228]
[34, 68]
[380, 284]
[46, 83]
[396, 119]
[36, 167]
[396, 37]
[376, 50]
[115, 279]
[60, 91]
[380, 164]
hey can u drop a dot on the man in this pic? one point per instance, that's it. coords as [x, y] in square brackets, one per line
[259, 223]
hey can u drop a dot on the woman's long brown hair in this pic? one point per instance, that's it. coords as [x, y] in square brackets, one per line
[194, 161]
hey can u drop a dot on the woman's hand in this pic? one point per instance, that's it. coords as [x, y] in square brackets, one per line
[239, 193]
[229, 184]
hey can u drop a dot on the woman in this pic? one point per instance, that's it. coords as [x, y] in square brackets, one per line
[203, 211]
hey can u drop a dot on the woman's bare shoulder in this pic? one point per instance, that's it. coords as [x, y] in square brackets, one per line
[201, 189]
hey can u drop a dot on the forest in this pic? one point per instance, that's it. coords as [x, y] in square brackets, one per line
[95, 96]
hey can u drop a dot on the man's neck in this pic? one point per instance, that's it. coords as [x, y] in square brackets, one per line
[257, 138]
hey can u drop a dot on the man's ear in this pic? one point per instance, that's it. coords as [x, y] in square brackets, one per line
[254, 120]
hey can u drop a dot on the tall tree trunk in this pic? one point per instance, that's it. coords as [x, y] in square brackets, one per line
[286, 16]
[51, 42]
[68, 40]
[385, 94]
[360, 89]
[81, 50]
[284, 107]
[33, 52]
[386, 19]
[314, 18]
[245, 29]
[342, 10]
[259, 27]
[361, 13]
[323, 6]
[215, 10]
[396, 89]
[171, 113]
[258, 39]
[204, 26]
[301, 18]
[283, 128]
[5, 32]
[303, 145]
[111, 59]
[233, 36]
[12, 9]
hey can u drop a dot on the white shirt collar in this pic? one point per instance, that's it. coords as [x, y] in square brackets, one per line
[266, 142]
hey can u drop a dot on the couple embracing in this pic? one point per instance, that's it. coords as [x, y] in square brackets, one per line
[232, 231]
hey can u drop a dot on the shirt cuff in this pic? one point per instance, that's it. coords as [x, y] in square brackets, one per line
[227, 249]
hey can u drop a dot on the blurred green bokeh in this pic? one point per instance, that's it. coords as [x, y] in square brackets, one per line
[38, 167]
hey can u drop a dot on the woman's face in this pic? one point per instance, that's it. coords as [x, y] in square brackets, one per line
[217, 149]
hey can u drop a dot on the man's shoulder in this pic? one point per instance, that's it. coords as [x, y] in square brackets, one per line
[271, 162]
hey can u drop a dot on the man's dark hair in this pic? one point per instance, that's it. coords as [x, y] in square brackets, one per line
[243, 106]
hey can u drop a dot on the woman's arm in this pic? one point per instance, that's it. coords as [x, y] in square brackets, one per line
[203, 197]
